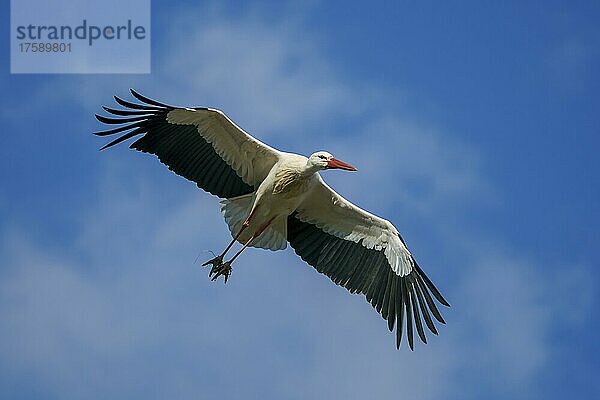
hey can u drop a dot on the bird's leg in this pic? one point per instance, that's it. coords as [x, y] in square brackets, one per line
[256, 234]
[225, 268]
[218, 260]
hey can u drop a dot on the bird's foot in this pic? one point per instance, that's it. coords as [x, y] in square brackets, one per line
[222, 269]
[215, 262]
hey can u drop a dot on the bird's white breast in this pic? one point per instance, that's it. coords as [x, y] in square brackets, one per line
[284, 188]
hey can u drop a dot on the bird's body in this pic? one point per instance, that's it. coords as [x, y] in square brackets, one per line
[271, 198]
[285, 187]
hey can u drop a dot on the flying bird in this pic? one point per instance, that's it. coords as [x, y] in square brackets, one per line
[270, 198]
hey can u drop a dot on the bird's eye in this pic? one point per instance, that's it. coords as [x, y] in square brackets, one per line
[322, 157]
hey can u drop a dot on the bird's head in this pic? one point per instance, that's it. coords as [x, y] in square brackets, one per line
[324, 160]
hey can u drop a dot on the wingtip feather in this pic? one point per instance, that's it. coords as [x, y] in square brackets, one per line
[147, 100]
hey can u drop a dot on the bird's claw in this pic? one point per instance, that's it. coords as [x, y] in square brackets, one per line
[222, 269]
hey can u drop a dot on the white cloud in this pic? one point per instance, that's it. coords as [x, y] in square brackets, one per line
[127, 303]
[131, 297]
[412, 165]
[241, 62]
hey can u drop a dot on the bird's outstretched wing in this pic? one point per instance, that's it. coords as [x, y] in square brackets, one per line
[365, 254]
[200, 144]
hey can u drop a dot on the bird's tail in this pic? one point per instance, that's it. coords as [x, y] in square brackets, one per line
[235, 211]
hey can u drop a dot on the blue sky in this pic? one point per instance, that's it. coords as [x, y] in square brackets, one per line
[474, 127]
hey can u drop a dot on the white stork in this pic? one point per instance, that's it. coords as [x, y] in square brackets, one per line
[271, 198]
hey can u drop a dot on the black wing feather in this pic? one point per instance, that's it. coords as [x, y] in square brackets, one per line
[409, 321]
[124, 113]
[425, 311]
[136, 106]
[180, 147]
[392, 306]
[416, 313]
[367, 271]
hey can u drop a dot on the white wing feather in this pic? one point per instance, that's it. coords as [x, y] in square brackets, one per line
[337, 216]
[249, 157]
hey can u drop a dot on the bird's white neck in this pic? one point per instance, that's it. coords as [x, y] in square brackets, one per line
[309, 169]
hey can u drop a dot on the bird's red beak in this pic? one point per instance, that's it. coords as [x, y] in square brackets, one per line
[337, 164]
